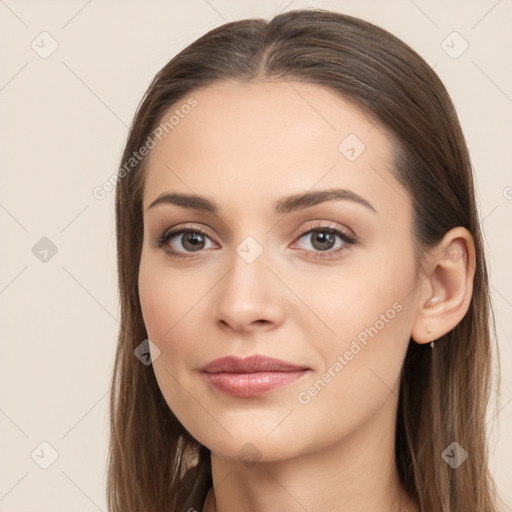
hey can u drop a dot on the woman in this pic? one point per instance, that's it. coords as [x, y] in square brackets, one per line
[301, 260]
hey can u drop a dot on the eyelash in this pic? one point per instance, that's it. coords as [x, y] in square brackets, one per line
[162, 239]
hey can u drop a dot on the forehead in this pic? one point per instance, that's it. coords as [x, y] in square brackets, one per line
[266, 138]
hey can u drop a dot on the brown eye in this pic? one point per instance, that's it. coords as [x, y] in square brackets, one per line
[179, 242]
[322, 240]
[192, 240]
[325, 240]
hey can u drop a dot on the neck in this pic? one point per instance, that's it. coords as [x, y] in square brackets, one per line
[356, 474]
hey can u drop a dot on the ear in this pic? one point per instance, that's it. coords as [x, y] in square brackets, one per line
[445, 293]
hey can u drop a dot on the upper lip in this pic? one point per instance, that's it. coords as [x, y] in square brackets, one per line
[251, 364]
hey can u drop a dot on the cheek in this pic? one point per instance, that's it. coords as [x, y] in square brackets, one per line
[174, 310]
[369, 315]
[344, 302]
[162, 308]
[165, 297]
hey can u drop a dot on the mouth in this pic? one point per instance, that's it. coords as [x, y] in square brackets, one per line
[252, 376]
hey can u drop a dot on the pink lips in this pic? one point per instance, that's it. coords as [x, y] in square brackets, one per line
[252, 376]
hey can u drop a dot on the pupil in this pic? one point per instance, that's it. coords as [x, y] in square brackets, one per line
[325, 237]
[194, 239]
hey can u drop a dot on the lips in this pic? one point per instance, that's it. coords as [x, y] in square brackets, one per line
[252, 376]
[251, 364]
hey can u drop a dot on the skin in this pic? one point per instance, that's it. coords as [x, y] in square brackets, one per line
[244, 146]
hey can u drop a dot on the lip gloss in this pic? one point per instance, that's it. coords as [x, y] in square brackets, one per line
[249, 385]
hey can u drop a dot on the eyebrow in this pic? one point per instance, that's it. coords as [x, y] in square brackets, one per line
[282, 206]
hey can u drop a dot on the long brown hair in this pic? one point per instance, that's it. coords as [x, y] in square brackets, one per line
[444, 392]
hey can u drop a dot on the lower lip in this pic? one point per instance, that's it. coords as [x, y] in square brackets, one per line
[249, 385]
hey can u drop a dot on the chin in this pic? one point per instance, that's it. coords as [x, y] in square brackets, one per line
[250, 447]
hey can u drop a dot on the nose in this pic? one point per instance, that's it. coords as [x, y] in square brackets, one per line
[250, 297]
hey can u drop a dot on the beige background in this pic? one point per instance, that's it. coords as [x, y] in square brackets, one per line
[65, 120]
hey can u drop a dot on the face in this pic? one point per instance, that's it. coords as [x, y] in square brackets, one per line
[326, 284]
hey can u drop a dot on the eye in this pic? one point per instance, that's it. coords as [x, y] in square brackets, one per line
[322, 240]
[190, 239]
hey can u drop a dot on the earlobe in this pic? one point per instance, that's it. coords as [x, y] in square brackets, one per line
[445, 294]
